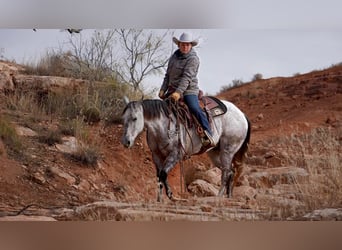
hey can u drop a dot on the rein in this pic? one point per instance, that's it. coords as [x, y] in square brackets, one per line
[175, 108]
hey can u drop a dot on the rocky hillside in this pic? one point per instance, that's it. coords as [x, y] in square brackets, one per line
[292, 169]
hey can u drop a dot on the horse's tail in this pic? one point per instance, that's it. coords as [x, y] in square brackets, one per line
[241, 153]
[245, 144]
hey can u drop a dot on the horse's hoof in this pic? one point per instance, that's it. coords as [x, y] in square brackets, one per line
[169, 194]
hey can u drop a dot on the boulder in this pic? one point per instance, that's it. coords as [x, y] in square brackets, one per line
[213, 176]
[202, 188]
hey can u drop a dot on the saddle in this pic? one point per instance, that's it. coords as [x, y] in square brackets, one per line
[210, 105]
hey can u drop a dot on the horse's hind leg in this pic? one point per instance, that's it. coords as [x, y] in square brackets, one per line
[230, 183]
[223, 160]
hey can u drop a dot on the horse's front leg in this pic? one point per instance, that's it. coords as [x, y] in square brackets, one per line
[163, 180]
[160, 191]
[170, 161]
[158, 162]
[163, 167]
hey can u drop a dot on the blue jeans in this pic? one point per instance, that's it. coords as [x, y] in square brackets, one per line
[194, 107]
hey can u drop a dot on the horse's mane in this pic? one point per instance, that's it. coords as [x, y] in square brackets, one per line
[154, 108]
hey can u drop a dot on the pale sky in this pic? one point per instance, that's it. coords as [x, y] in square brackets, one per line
[238, 38]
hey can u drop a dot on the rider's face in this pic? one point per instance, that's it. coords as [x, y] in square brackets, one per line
[184, 47]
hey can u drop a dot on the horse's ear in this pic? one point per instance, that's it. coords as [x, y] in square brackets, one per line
[126, 100]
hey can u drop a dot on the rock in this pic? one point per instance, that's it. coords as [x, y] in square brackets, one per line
[27, 218]
[23, 131]
[38, 178]
[47, 83]
[202, 188]
[269, 155]
[69, 145]
[213, 176]
[6, 82]
[103, 210]
[245, 192]
[203, 209]
[329, 214]
[83, 186]
[255, 160]
[7, 71]
[260, 116]
[56, 171]
[243, 180]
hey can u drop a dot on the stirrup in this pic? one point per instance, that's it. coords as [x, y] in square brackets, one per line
[210, 139]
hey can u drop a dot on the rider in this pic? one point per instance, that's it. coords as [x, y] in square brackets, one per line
[181, 80]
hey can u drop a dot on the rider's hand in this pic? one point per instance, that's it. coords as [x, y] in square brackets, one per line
[175, 96]
[161, 94]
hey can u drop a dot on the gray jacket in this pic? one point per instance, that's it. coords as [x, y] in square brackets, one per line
[181, 74]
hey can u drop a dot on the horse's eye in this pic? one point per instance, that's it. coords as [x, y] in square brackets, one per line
[134, 119]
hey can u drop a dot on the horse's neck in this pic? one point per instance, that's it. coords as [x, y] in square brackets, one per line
[161, 123]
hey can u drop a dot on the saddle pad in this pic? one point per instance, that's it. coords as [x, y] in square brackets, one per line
[214, 105]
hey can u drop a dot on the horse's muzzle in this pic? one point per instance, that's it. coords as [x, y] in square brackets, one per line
[126, 142]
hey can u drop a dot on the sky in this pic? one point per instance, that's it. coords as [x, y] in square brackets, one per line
[238, 39]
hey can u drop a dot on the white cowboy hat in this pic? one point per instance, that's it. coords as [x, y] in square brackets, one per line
[185, 38]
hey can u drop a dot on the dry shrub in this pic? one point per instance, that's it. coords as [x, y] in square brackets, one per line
[9, 135]
[88, 151]
[256, 77]
[87, 154]
[51, 137]
[72, 127]
[25, 102]
[319, 152]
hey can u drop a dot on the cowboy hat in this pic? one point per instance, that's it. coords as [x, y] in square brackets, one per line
[185, 38]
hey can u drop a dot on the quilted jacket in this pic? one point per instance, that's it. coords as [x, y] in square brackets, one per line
[181, 74]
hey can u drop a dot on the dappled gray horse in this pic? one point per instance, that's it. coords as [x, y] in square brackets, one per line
[231, 133]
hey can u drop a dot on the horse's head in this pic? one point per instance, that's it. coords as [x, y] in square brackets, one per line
[133, 120]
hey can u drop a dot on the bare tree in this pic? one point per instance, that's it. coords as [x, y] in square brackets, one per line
[128, 55]
[143, 52]
[93, 57]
